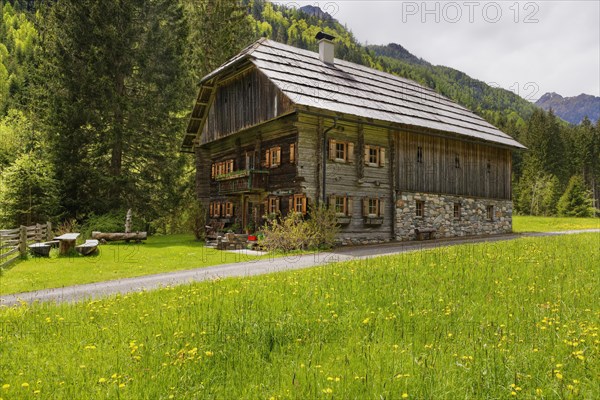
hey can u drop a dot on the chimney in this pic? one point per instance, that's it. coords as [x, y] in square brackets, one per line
[326, 47]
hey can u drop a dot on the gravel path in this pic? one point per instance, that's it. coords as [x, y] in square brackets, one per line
[247, 268]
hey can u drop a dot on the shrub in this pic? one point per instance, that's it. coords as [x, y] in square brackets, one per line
[111, 222]
[294, 232]
[195, 219]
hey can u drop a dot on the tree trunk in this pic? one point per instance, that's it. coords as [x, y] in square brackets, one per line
[111, 237]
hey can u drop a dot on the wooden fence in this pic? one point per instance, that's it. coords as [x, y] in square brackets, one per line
[13, 242]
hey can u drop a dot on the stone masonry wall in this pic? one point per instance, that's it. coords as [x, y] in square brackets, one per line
[439, 214]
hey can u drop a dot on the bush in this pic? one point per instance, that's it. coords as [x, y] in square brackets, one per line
[294, 232]
[111, 222]
[577, 200]
[195, 219]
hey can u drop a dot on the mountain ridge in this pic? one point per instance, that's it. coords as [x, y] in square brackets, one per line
[571, 109]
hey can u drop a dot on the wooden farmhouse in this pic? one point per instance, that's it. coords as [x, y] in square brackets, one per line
[278, 128]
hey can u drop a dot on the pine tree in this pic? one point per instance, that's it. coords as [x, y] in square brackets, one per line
[219, 29]
[577, 200]
[111, 85]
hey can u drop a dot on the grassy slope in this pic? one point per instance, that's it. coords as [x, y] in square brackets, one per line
[471, 321]
[118, 260]
[550, 224]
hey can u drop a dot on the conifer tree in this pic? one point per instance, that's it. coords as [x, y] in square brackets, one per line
[112, 90]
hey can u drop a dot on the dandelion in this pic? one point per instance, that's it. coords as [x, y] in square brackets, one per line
[102, 380]
[6, 386]
[208, 353]
[405, 395]
[558, 375]
[328, 390]
[25, 385]
[366, 320]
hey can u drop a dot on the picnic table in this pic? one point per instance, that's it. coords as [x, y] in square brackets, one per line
[67, 242]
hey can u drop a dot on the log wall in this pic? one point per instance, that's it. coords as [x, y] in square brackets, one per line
[438, 172]
[241, 102]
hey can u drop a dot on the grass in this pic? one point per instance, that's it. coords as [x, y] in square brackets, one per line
[549, 224]
[114, 261]
[516, 319]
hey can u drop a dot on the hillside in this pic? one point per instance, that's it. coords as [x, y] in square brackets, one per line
[297, 27]
[572, 109]
[498, 106]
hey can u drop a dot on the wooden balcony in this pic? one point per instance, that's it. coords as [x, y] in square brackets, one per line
[245, 181]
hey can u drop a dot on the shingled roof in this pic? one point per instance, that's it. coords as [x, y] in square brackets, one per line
[352, 89]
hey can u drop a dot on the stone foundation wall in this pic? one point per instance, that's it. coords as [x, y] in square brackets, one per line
[439, 214]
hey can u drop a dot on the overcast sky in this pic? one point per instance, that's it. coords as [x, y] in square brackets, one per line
[529, 47]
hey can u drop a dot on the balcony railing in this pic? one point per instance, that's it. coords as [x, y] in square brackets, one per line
[243, 181]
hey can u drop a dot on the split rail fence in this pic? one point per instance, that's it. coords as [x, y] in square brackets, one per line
[13, 242]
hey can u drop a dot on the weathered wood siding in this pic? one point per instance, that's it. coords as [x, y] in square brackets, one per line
[241, 102]
[352, 179]
[438, 172]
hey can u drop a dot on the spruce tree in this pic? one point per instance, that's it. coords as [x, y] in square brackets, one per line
[112, 83]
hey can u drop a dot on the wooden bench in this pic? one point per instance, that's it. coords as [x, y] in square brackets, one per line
[429, 232]
[40, 249]
[89, 247]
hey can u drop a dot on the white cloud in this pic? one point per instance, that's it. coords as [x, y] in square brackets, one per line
[559, 53]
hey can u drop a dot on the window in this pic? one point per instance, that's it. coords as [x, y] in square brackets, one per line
[420, 208]
[221, 168]
[273, 205]
[456, 210]
[215, 209]
[299, 203]
[293, 153]
[249, 160]
[228, 209]
[373, 207]
[342, 204]
[456, 161]
[419, 154]
[489, 210]
[341, 151]
[375, 156]
[273, 157]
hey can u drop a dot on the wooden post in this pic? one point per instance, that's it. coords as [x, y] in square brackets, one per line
[48, 231]
[38, 233]
[23, 240]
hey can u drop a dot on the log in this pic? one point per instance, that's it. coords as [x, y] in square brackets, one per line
[113, 237]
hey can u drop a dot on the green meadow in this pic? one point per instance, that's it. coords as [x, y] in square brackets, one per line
[515, 319]
[114, 261]
[526, 223]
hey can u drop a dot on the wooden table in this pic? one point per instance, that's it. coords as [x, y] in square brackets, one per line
[67, 242]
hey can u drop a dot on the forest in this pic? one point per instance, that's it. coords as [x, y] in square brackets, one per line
[95, 97]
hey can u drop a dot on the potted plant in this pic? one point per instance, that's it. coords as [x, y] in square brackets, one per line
[250, 228]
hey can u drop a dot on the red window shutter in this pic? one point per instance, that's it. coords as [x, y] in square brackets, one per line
[365, 207]
[267, 158]
[349, 206]
[291, 204]
[367, 154]
[292, 153]
[277, 205]
[332, 149]
[304, 205]
[382, 156]
[350, 153]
